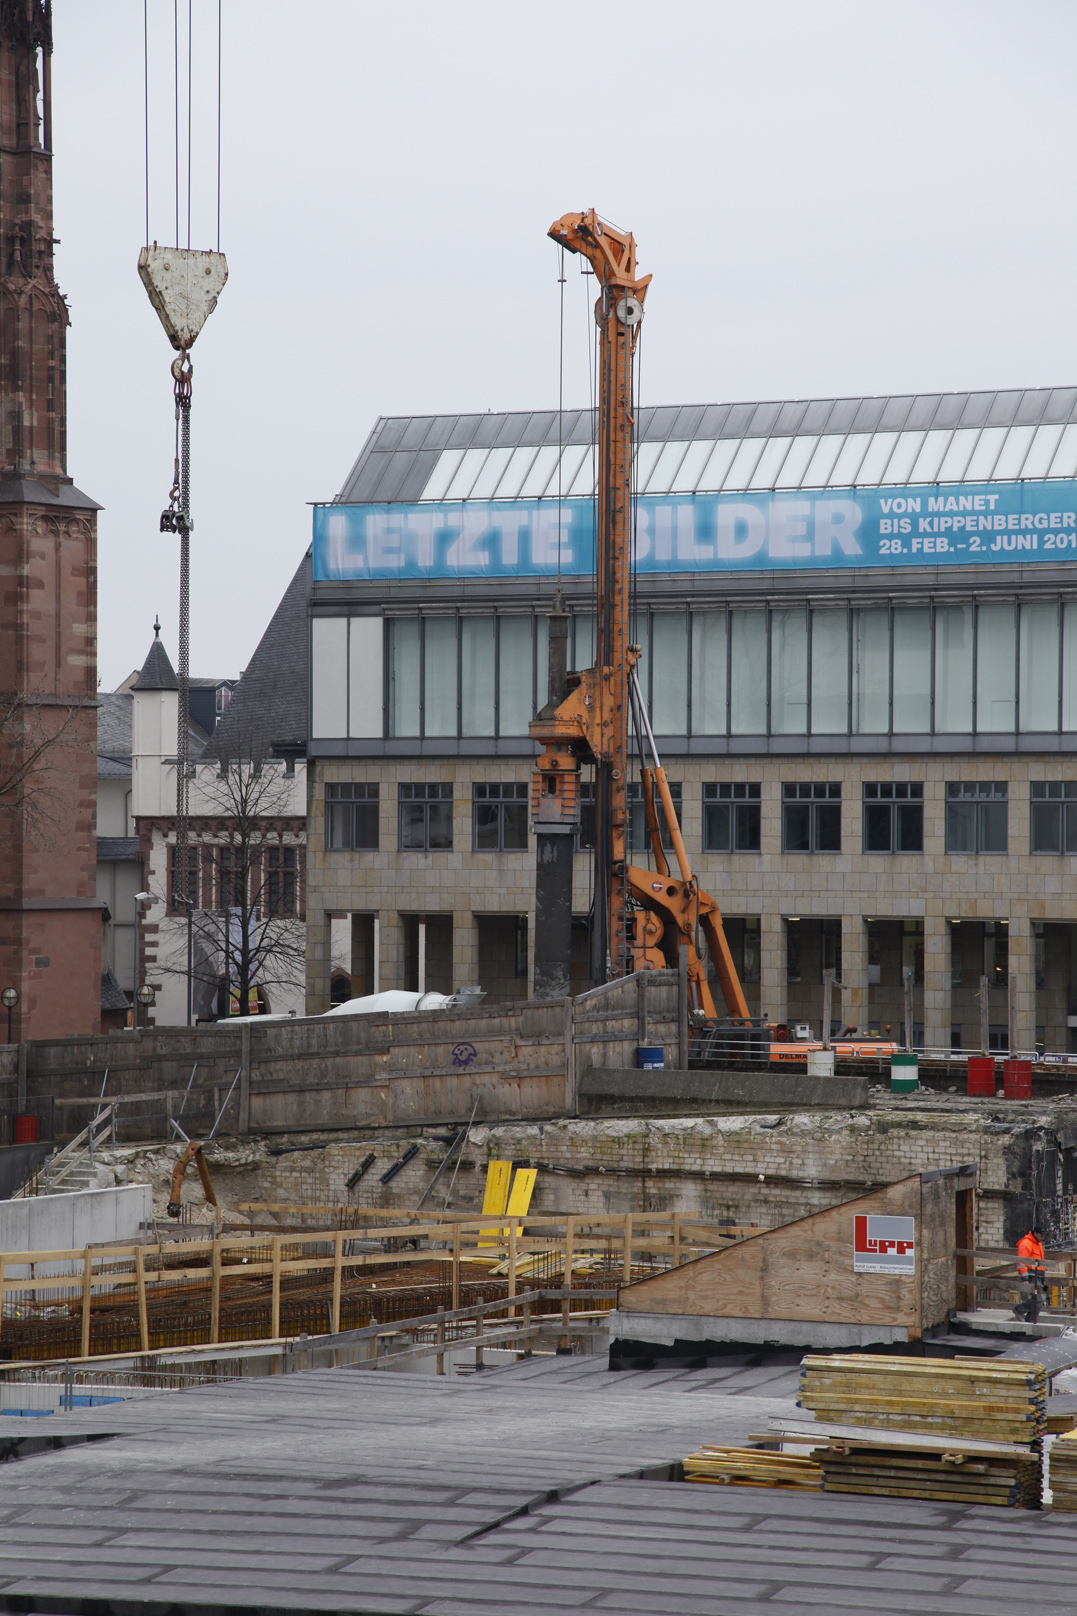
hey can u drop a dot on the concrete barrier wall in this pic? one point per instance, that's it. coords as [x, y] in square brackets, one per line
[344, 1071]
[72, 1222]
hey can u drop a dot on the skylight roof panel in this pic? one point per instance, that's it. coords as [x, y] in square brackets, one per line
[895, 413]
[823, 460]
[816, 416]
[489, 431]
[583, 484]
[932, 453]
[542, 468]
[901, 462]
[922, 414]
[691, 467]
[442, 474]
[796, 461]
[1032, 405]
[490, 475]
[956, 458]
[985, 454]
[665, 468]
[842, 415]
[718, 463]
[790, 416]
[464, 431]
[517, 469]
[714, 418]
[737, 421]
[513, 430]
[661, 421]
[1042, 451]
[873, 465]
[1009, 463]
[395, 468]
[541, 428]
[1003, 410]
[977, 409]
[411, 487]
[744, 463]
[391, 431]
[571, 461]
[949, 410]
[764, 418]
[415, 433]
[466, 473]
[686, 426]
[869, 414]
[848, 463]
[646, 457]
[1064, 463]
[770, 463]
[1061, 405]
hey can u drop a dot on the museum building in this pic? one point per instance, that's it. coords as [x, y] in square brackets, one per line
[859, 629]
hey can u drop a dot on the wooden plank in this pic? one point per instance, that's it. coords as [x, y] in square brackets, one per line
[215, 1296]
[143, 1316]
[87, 1272]
[627, 1268]
[275, 1316]
[338, 1262]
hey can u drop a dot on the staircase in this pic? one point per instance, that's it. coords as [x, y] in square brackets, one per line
[72, 1168]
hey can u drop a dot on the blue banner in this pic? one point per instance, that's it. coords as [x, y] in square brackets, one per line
[716, 533]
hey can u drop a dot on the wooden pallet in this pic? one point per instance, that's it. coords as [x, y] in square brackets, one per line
[995, 1400]
[752, 1467]
[953, 1477]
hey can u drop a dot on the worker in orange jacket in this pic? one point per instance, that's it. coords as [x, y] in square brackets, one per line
[1033, 1272]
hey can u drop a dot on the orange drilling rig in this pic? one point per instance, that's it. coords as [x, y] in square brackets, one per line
[642, 917]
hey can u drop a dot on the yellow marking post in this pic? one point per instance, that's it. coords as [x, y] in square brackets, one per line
[498, 1175]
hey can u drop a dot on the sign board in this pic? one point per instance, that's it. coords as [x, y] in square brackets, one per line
[884, 1245]
[941, 526]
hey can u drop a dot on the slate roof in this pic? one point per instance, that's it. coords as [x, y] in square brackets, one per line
[112, 995]
[709, 448]
[267, 714]
[157, 671]
[113, 848]
[114, 735]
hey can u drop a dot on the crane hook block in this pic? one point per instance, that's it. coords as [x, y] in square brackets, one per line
[183, 287]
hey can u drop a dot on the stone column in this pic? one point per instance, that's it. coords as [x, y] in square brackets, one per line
[938, 1004]
[391, 949]
[852, 1004]
[1021, 968]
[773, 967]
[465, 949]
[319, 961]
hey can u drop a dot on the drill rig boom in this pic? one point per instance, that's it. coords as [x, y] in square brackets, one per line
[641, 917]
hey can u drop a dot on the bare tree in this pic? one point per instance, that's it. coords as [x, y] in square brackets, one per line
[244, 883]
[32, 745]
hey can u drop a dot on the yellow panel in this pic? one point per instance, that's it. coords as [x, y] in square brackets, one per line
[496, 1197]
[523, 1187]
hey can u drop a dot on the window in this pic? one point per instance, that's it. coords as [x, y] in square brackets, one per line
[639, 837]
[893, 817]
[811, 817]
[639, 840]
[1054, 816]
[977, 816]
[499, 818]
[731, 817]
[231, 878]
[176, 894]
[425, 817]
[351, 816]
[280, 880]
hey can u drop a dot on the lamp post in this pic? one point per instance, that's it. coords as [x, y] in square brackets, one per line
[9, 999]
[145, 996]
[140, 899]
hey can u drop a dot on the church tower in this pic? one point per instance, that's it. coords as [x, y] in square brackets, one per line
[50, 917]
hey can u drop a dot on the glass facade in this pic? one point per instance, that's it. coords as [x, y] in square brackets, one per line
[945, 667]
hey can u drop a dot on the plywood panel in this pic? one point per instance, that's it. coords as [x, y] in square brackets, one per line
[938, 1237]
[803, 1270]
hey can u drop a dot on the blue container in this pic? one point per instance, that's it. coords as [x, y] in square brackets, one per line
[652, 1059]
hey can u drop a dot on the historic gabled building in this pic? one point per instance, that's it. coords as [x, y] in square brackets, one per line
[50, 914]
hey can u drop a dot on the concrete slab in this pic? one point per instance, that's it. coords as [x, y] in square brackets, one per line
[664, 1329]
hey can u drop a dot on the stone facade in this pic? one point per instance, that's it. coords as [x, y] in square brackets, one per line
[952, 918]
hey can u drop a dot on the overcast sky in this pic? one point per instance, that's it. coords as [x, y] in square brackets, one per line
[833, 198]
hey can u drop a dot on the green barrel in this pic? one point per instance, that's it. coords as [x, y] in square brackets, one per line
[904, 1074]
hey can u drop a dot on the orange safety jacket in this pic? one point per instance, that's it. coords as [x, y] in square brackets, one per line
[1030, 1257]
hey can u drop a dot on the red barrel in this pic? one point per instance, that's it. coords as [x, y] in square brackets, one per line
[1017, 1079]
[982, 1075]
[25, 1131]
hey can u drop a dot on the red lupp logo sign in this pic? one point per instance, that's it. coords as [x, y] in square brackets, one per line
[883, 1245]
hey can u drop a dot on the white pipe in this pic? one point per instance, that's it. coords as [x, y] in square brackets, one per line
[377, 954]
[422, 956]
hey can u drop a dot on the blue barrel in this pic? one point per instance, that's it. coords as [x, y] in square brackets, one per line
[652, 1059]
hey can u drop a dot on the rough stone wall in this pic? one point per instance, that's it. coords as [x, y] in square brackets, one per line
[765, 1169]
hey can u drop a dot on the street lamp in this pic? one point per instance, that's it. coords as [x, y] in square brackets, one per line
[140, 899]
[9, 999]
[145, 996]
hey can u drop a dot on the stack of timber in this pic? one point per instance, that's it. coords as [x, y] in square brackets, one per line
[752, 1467]
[953, 1477]
[984, 1419]
[1064, 1474]
[996, 1400]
